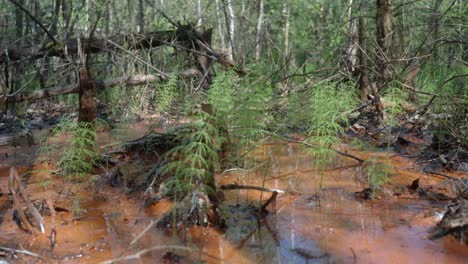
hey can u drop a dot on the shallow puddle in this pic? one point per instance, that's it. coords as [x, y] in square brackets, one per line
[101, 223]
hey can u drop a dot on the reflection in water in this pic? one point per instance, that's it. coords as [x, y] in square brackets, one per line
[301, 228]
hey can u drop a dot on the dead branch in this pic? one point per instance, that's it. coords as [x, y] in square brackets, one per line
[313, 146]
[32, 209]
[35, 20]
[22, 251]
[236, 186]
[132, 80]
[269, 201]
[145, 251]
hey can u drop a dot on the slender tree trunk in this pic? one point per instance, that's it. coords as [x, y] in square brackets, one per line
[19, 20]
[200, 13]
[131, 15]
[258, 44]
[362, 69]
[384, 42]
[384, 37]
[220, 26]
[87, 96]
[351, 53]
[53, 28]
[435, 28]
[66, 13]
[141, 16]
[232, 29]
[286, 13]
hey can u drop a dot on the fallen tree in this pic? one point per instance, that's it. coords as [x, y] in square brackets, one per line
[132, 80]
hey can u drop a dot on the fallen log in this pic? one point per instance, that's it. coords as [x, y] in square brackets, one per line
[95, 45]
[133, 80]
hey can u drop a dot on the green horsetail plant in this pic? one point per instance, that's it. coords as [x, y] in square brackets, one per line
[325, 117]
[242, 107]
[168, 93]
[377, 172]
[194, 161]
[80, 156]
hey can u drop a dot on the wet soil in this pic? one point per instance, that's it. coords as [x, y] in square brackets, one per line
[321, 222]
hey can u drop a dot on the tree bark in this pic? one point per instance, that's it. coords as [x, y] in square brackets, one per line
[141, 16]
[19, 20]
[384, 37]
[87, 97]
[258, 45]
[362, 58]
[220, 26]
[231, 18]
[351, 52]
[199, 13]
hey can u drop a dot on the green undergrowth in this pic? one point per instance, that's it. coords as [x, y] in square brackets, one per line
[195, 160]
[73, 145]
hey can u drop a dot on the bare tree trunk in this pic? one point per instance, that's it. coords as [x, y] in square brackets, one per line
[200, 13]
[66, 13]
[232, 29]
[141, 16]
[87, 98]
[362, 57]
[220, 26]
[131, 15]
[53, 28]
[258, 44]
[384, 37]
[286, 13]
[435, 28]
[351, 56]
[19, 20]
[384, 42]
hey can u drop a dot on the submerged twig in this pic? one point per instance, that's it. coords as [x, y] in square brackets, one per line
[144, 251]
[313, 146]
[250, 187]
[153, 222]
[22, 251]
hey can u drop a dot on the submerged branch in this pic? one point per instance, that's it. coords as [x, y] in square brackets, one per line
[313, 146]
[250, 187]
[144, 251]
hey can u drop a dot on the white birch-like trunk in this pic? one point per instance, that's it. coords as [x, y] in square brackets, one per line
[232, 29]
[200, 13]
[286, 13]
[220, 26]
[258, 46]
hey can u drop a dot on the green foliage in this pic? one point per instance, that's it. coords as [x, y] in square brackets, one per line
[74, 145]
[79, 157]
[243, 106]
[195, 159]
[323, 111]
[377, 172]
[168, 93]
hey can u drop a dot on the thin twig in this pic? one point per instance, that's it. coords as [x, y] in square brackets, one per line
[236, 186]
[153, 222]
[35, 20]
[313, 146]
[144, 251]
[22, 251]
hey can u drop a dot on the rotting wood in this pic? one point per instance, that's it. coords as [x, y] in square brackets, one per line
[87, 98]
